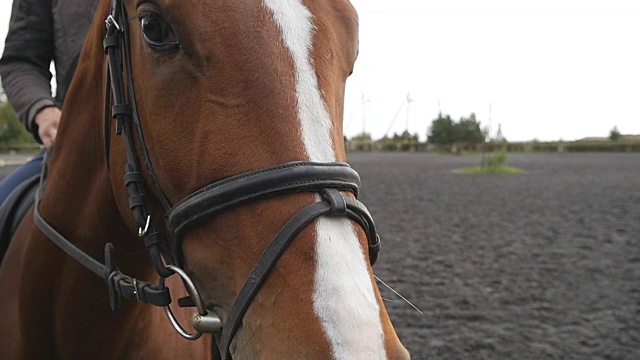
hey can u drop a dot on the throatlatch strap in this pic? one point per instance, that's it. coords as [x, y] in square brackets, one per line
[118, 283]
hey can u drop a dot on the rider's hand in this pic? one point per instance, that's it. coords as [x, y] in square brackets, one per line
[48, 120]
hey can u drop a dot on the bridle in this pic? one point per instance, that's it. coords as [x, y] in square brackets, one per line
[327, 180]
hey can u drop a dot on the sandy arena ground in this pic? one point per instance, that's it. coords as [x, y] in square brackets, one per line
[544, 265]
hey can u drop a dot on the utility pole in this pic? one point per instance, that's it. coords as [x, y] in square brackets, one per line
[490, 121]
[488, 140]
[364, 113]
[409, 101]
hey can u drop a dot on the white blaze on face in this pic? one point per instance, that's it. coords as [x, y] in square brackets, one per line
[343, 297]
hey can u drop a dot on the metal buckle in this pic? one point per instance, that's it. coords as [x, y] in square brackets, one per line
[111, 21]
[135, 289]
[203, 321]
[142, 232]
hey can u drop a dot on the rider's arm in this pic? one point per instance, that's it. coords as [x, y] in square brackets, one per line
[24, 66]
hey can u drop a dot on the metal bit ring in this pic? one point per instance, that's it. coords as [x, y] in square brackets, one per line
[204, 321]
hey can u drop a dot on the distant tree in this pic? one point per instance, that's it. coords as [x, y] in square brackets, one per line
[614, 134]
[468, 130]
[442, 131]
[406, 138]
[362, 137]
[485, 133]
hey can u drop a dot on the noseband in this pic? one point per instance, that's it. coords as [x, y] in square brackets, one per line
[328, 180]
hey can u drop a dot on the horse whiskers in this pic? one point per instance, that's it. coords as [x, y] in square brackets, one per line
[397, 293]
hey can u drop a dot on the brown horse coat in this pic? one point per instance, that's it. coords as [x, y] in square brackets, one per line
[246, 90]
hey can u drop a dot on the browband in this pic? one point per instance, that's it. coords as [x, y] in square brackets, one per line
[286, 178]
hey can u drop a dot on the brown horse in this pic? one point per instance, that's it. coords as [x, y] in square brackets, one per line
[221, 88]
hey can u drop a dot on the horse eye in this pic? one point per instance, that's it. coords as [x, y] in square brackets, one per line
[158, 33]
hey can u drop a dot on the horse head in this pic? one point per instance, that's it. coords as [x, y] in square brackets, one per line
[223, 90]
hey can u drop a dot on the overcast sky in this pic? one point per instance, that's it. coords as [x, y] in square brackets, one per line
[551, 69]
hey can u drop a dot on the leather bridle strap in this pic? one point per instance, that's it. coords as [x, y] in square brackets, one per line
[299, 176]
[335, 205]
[328, 180]
[123, 110]
[118, 283]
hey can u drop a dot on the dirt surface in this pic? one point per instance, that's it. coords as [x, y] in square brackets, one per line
[544, 265]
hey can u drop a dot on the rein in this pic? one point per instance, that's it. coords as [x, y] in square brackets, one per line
[328, 180]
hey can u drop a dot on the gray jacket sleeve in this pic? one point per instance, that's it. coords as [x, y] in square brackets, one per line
[24, 66]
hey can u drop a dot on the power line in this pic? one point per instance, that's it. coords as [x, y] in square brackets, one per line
[404, 101]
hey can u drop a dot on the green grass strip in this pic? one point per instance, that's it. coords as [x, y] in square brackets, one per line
[500, 170]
